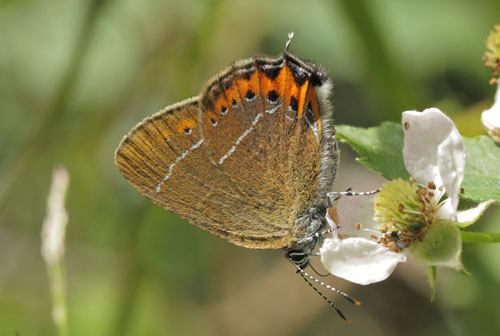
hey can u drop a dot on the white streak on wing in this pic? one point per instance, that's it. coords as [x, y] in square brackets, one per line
[177, 160]
[196, 145]
[257, 117]
[274, 109]
[313, 127]
[244, 135]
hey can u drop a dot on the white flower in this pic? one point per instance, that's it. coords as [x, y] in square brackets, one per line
[434, 151]
[353, 253]
[434, 154]
[491, 118]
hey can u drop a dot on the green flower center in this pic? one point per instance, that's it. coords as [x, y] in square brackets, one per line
[491, 58]
[406, 211]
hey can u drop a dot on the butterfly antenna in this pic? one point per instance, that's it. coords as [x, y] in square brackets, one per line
[333, 305]
[321, 283]
[290, 37]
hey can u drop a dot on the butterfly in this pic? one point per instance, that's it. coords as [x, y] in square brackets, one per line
[252, 159]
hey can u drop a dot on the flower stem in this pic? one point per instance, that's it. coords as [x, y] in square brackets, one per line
[431, 275]
[480, 237]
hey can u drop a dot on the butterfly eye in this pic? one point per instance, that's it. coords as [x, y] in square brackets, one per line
[298, 257]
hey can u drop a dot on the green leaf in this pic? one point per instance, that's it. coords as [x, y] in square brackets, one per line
[381, 148]
[482, 171]
[431, 275]
[480, 237]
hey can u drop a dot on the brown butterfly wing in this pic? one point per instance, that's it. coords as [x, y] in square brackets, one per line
[244, 160]
[164, 158]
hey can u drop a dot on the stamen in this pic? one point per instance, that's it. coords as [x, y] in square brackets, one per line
[407, 210]
[413, 212]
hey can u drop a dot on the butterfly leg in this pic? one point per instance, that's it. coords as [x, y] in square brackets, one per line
[335, 195]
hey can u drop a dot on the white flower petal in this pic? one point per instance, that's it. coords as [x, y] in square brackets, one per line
[451, 155]
[356, 209]
[434, 150]
[491, 118]
[359, 260]
[447, 211]
[470, 216]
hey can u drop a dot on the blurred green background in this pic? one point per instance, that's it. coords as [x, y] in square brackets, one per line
[75, 76]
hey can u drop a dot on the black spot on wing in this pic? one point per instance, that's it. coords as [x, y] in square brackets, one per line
[294, 104]
[272, 97]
